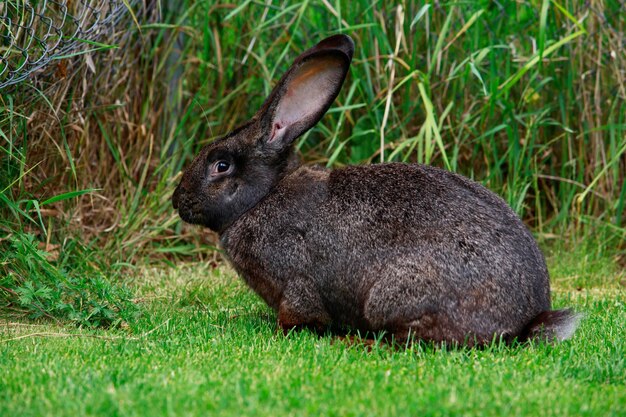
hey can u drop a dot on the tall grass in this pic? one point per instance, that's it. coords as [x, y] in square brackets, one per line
[527, 97]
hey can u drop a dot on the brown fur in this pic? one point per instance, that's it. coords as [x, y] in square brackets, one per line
[408, 249]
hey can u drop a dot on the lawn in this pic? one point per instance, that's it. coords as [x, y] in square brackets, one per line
[110, 305]
[206, 345]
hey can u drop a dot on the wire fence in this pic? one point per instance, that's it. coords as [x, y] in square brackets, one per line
[33, 33]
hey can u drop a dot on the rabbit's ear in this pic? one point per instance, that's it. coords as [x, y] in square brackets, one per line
[307, 90]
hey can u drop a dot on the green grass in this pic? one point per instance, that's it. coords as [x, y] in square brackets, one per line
[528, 98]
[207, 346]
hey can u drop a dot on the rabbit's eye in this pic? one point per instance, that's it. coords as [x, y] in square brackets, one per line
[220, 167]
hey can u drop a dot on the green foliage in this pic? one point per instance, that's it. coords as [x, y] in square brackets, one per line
[68, 284]
[32, 285]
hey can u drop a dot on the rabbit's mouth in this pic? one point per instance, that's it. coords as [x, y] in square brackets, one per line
[187, 209]
[189, 215]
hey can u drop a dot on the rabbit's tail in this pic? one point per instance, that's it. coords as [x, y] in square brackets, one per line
[554, 325]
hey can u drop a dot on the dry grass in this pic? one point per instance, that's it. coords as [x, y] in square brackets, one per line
[547, 133]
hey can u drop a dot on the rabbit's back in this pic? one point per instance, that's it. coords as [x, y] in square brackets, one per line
[385, 242]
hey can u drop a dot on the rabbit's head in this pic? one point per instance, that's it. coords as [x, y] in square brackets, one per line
[232, 174]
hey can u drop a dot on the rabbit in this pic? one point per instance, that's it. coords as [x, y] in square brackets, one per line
[407, 250]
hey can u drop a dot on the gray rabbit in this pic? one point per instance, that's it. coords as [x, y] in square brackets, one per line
[408, 249]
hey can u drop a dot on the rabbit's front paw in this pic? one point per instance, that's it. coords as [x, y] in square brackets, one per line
[291, 317]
